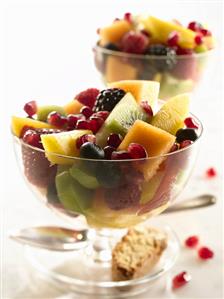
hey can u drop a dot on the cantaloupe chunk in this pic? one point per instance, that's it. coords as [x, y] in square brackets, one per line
[19, 122]
[73, 107]
[117, 70]
[160, 30]
[157, 142]
[140, 89]
[63, 143]
[114, 32]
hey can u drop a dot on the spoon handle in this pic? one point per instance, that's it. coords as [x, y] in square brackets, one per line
[201, 201]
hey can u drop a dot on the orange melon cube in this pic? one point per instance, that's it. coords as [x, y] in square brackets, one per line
[73, 107]
[114, 32]
[140, 89]
[19, 122]
[156, 142]
[117, 70]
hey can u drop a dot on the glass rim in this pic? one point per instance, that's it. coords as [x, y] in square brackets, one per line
[21, 142]
[148, 57]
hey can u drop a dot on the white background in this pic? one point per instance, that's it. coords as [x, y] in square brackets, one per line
[49, 59]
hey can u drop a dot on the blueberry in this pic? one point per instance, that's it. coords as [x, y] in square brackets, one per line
[109, 174]
[186, 134]
[90, 150]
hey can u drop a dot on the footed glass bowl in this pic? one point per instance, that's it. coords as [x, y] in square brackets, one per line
[177, 75]
[103, 196]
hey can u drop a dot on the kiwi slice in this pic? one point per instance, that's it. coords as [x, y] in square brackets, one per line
[71, 194]
[43, 111]
[84, 179]
[121, 118]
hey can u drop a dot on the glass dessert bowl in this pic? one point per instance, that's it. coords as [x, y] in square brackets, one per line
[107, 178]
[148, 48]
[176, 75]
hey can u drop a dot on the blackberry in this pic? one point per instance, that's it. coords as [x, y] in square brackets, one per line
[107, 99]
[160, 50]
[186, 134]
[111, 46]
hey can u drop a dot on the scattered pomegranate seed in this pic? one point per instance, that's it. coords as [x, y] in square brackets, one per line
[32, 138]
[85, 138]
[86, 111]
[205, 32]
[185, 143]
[190, 123]
[173, 39]
[205, 253]
[192, 241]
[137, 151]
[95, 123]
[174, 147]
[56, 119]
[108, 150]
[82, 125]
[180, 280]
[88, 97]
[128, 17]
[211, 172]
[198, 39]
[121, 155]
[30, 108]
[102, 114]
[194, 26]
[147, 108]
[72, 120]
[114, 140]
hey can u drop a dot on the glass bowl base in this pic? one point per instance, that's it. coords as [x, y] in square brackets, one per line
[78, 272]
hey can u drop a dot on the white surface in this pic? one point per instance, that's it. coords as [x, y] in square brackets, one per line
[49, 59]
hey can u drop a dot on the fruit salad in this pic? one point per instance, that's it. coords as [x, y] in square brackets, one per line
[116, 156]
[148, 48]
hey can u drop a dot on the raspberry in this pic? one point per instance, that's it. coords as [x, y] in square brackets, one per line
[205, 253]
[88, 97]
[123, 197]
[108, 98]
[180, 280]
[192, 241]
[134, 42]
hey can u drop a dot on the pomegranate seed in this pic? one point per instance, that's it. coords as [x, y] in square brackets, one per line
[85, 138]
[198, 39]
[205, 253]
[32, 138]
[88, 97]
[185, 143]
[174, 148]
[23, 131]
[211, 172]
[205, 32]
[108, 150]
[180, 280]
[114, 140]
[72, 120]
[82, 125]
[128, 17]
[173, 39]
[30, 108]
[190, 123]
[95, 123]
[147, 108]
[137, 151]
[182, 51]
[194, 26]
[56, 119]
[102, 114]
[192, 241]
[121, 155]
[86, 111]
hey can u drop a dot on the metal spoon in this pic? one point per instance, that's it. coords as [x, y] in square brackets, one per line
[64, 239]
